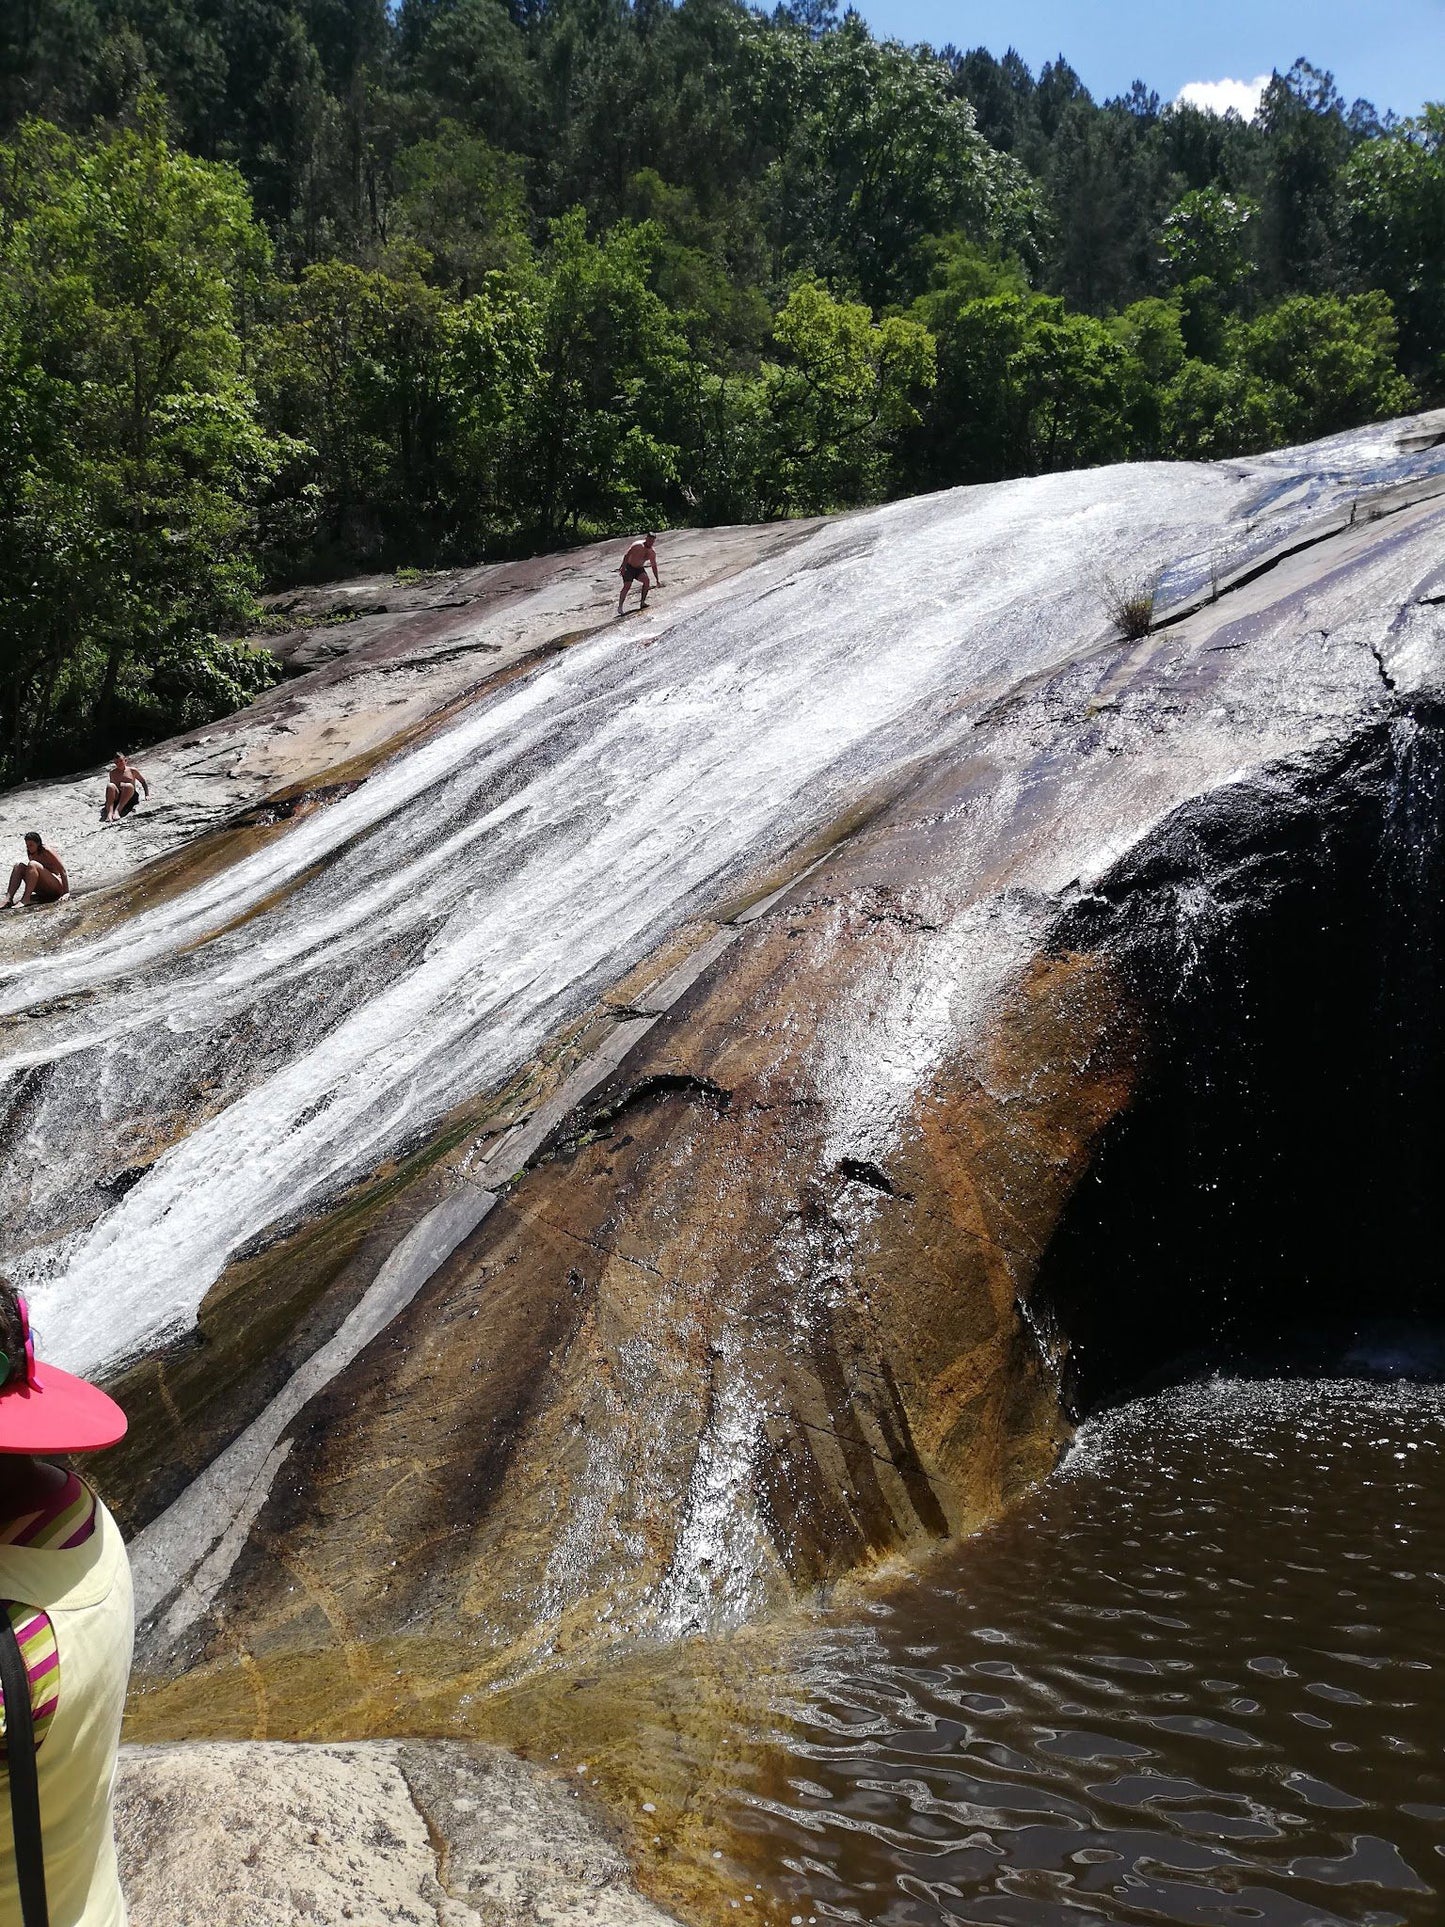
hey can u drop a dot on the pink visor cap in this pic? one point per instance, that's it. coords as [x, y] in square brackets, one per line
[47, 1410]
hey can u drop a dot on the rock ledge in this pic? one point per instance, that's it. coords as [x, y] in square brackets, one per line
[382, 1833]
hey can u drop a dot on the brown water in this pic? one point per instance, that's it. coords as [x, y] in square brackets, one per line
[1199, 1678]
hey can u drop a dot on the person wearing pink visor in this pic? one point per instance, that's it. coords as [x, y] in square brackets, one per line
[67, 1629]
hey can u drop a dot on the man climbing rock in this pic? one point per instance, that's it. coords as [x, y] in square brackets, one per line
[41, 876]
[123, 789]
[641, 557]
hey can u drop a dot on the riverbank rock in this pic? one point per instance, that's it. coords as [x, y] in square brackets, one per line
[379, 1834]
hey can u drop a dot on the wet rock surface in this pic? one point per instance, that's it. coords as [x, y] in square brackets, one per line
[270, 1032]
[759, 1314]
[872, 932]
[370, 664]
[1290, 954]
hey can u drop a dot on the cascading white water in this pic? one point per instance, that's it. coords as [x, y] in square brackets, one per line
[480, 889]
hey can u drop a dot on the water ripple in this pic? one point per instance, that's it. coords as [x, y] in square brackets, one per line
[1196, 1679]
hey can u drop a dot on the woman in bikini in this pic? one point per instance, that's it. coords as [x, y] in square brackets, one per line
[42, 874]
[65, 1590]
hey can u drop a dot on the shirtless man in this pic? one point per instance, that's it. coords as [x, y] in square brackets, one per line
[121, 792]
[641, 557]
[42, 874]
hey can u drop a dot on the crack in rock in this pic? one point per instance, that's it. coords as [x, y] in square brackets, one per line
[598, 1121]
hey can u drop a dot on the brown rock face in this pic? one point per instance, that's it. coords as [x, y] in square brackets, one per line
[699, 1361]
[757, 1317]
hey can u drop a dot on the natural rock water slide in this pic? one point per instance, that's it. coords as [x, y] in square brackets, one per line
[758, 1314]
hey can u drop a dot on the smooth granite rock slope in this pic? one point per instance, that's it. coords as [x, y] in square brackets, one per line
[759, 1312]
[604, 1170]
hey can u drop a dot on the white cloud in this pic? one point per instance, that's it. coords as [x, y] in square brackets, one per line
[1218, 96]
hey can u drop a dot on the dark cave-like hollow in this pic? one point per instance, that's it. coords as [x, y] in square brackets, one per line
[1273, 1201]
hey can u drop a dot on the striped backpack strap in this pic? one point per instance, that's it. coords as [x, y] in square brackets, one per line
[24, 1780]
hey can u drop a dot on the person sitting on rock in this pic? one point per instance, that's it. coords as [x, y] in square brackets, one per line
[67, 1629]
[123, 790]
[634, 566]
[41, 876]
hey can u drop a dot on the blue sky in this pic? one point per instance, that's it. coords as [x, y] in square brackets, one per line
[1389, 51]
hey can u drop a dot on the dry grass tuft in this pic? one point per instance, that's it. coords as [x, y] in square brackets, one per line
[1131, 605]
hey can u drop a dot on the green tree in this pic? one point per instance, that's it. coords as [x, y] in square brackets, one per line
[976, 423]
[356, 363]
[1026, 387]
[1394, 194]
[1208, 412]
[1075, 381]
[469, 57]
[840, 396]
[959, 271]
[1151, 333]
[1330, 362]
[135, 449]
[592, 447]
[883, 157]
[463, 201]
[1307, 141]
[1207, 235]
[706, 268]
[1093, 190]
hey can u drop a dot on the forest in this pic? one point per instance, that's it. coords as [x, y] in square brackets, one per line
[290, 288]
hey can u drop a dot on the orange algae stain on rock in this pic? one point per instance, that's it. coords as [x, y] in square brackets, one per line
[515, 1472]
[1000, 1140]
[662, 1736]
[273, 1307]
[488, 1527]
[694, 1366]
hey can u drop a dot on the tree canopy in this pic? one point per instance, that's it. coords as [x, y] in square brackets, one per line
[295, 286]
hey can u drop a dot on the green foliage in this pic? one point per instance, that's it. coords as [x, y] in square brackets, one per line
[589, 443]
[134, 445]
[470, 57]
[1072, 377]
[1394, 197]
[1330, 363]
[354, 366]
[840, 394]
[1206, 237]
[881, 158]
[960, 271]
[292, 285]
[1104, 195]
[1209, 411]
[1309, 140]
[1152, 335]
[1309, 367]
[1026, 387]
[463, 202]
